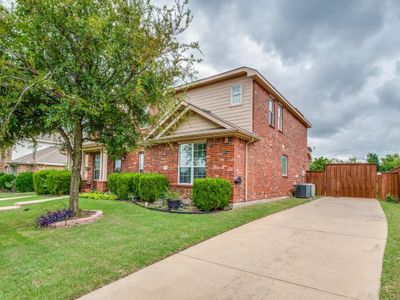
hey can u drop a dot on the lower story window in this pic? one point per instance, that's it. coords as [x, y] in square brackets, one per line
[192, 162]
[117, 165]
[284, 165]
[96, 171]
[141, 162]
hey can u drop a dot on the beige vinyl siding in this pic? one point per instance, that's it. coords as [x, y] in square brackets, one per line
[193, 121]
[217, 99]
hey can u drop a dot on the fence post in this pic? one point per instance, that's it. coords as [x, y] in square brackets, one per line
[379, 186]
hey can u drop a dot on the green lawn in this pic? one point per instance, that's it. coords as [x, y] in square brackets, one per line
[69, 262]
[390, 281]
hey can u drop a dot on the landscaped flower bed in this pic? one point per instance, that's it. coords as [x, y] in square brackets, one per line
[65, 218]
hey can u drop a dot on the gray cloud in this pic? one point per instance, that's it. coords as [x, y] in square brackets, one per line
[337, 61]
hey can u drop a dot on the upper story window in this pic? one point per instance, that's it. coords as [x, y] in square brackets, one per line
[96, 170]
[141, 162]
[192, 162]
[236, 95]
[118, 165]
[280, 117]
[284, 165]
[271, 112]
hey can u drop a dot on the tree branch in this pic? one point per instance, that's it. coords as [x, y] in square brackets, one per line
[66, 139]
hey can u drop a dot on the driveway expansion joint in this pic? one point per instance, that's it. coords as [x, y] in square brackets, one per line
[267, 276]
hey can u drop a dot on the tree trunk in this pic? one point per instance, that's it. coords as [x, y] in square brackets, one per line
[76, 157]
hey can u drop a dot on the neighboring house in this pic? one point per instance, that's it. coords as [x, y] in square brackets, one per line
[24, 156]
[234, 125]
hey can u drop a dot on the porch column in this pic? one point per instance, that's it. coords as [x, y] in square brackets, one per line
[85, 165]
[104, 159]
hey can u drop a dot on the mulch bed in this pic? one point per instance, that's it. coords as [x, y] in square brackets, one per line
[185, 209]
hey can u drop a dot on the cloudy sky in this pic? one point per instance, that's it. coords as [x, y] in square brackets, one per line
[337, 61]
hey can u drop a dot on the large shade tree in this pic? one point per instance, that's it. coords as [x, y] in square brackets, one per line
[89, 70]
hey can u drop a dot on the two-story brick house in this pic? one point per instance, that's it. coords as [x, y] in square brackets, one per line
[234, 125]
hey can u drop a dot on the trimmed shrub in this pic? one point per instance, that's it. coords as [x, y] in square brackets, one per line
[58, 182]
[7, 182]
[124, 184]
[24, 182]
[152, 186]
[99, 196]
[39, 182]
[112, 182]
[211, 194]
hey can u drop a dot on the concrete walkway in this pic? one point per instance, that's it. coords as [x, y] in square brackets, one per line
[330, 248]
[18, 205]
[19, 197]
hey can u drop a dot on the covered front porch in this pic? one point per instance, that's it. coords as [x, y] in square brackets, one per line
[94, 168]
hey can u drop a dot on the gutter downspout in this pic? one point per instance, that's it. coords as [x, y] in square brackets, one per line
[246, 167]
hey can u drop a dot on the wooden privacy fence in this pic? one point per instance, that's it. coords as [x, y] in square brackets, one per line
[354, 180]
[388, 183]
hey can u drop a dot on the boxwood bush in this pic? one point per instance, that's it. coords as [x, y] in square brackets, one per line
[24, 182]
[152, 186]
[211, 194]
[112, 182]
[39, 182]
[7, 182]
[58, 182]
[124, 184]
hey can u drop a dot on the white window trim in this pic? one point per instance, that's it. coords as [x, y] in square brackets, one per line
[140, 164]
[271, 119]
[192, 166]
[241, 95]
[280, 117]
[284, 172]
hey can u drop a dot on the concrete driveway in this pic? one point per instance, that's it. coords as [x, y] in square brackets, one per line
[331, 248]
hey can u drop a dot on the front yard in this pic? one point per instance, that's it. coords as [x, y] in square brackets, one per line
[69, 262]
[390, 281]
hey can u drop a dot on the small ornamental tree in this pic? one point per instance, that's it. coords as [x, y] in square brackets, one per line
[319, 163]
[89, 71]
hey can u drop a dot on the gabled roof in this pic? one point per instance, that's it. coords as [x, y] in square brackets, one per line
[258, 77]
[47, 138]
[47, 156]
[163, 132]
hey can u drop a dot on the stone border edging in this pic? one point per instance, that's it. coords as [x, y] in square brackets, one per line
[74, 222]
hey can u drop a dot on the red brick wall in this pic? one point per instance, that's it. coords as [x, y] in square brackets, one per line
[130, 162]
[220, 162]
[264, 171]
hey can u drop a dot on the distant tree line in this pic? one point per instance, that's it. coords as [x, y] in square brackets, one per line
[384, 164]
